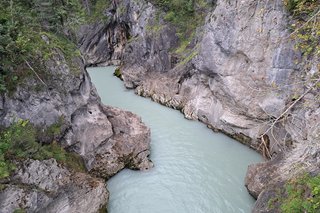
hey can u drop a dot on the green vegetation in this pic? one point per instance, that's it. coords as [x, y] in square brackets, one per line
[20, 142]
[30, 31]
[157, 26]
[117, 73]
[19, 211]
[306, 26]
[96, 10]
[103, 209]
[302, 195]
[188, 58]
[185, 16]
[51, 133]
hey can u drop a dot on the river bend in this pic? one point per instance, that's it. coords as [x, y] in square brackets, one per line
[196, 170]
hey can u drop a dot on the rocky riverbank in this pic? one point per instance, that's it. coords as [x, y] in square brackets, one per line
[107, 139]
[239, 74]
[230, 64]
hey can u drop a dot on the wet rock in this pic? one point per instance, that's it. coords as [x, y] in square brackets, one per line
[260, 175]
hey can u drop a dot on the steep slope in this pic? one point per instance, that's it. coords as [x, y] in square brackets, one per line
[240, 74]
[99, 134]
[52, 120]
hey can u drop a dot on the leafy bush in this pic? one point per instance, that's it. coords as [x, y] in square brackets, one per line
[96, 10]
[181, 12]
[19, 142]
[306, 25]
[22, 25]
[302, 195]
[185, 16]
[19, 211]
[117, 73]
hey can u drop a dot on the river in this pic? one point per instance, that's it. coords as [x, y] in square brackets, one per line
[196, 170]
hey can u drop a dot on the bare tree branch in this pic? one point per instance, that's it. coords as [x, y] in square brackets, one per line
[292, 105]
[35, 73]
[310, 19]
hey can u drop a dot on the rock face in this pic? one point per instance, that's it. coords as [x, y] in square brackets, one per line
[264, 180]
[87, 127]
[231, 60]
[241, 78]
[244, 74]
[64, 91]
[108, 139]
[128, 21]
[128, 147]
[107, 151]
[102, 43]
[44, 186]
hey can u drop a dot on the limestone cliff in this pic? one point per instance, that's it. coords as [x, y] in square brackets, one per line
[45, 186]
[241, 75]
[108, 139]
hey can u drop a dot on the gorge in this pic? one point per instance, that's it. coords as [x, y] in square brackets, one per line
[195, 170]
[246, 68]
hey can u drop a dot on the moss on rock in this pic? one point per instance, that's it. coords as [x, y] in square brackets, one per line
[300, 194]
[117, 73]
[19, 142]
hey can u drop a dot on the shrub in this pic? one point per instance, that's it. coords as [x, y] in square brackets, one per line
[19, 142]
[117, 73]
[97, 9]
[185, 16]
[180, 12]
[302, 195]
[305, 25]
[22, 23]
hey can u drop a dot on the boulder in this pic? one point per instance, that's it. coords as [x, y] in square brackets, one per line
[128, 147]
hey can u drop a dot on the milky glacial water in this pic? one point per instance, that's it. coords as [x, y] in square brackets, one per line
[196, 170]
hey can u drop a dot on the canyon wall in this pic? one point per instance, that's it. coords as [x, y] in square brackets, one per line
[107, 139]
[240, 74]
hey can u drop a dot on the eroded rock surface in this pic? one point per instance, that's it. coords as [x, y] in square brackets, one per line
[228, 85]
[244, 74]
[108, 140]
[45, 186]
[129, 145]
[264, 181]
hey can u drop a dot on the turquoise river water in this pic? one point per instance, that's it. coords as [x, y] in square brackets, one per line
[196, 170]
